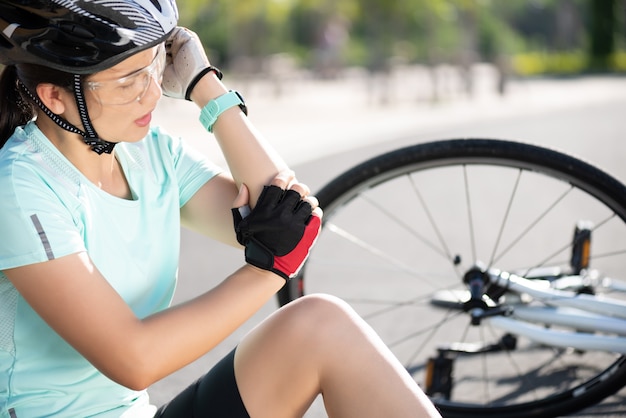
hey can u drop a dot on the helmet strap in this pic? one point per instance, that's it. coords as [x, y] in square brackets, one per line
[90, 137]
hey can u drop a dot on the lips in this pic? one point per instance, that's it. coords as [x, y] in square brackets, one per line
[144, 120]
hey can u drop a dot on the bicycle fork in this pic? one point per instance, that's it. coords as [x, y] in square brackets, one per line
[439, 369]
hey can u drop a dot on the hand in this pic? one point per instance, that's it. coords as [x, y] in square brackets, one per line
[279, 232]
[186, 63]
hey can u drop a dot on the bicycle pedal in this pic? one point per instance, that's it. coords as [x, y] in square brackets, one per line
[438, 381]
[581, 246]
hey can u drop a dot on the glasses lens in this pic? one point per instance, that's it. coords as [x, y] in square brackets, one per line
[130, 88]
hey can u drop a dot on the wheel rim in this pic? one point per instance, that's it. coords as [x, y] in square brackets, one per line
[395, 239]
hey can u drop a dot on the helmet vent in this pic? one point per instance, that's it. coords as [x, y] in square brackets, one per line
[157, 4]
[81, 36]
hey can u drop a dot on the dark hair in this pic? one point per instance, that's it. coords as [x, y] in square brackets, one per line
[16, 108]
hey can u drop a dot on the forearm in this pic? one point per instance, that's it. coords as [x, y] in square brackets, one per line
[250, 158]
[86, 311]
[177, 336]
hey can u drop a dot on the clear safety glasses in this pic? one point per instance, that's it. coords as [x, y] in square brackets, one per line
[131, 88]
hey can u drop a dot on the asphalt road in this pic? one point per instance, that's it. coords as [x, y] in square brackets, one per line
[324, 128]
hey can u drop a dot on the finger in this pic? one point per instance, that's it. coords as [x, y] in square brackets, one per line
[318, 212]
[175, 41]
[301, 188]
[312, 200]
[291, 198]
[306, 207]
[283, 179]
[302, 212]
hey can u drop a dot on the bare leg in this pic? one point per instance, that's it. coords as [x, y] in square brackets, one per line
[317, 344]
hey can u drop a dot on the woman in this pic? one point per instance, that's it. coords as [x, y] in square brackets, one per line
[92, 198]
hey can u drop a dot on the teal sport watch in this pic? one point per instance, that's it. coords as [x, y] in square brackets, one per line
[210, 112]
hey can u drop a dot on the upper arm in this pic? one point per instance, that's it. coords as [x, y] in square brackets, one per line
[209, 209]
[75, 300]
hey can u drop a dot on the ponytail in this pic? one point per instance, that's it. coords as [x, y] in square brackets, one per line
[14, 111]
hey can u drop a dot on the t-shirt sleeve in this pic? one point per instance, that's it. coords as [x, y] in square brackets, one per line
[35, 225]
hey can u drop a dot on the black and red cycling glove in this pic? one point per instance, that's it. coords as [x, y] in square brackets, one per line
[279, 232]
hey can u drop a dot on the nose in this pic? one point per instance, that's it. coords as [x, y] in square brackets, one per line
[154, 90]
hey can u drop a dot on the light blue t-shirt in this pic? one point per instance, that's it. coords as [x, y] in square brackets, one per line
[48, 209]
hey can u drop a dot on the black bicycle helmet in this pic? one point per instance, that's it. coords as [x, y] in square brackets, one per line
[81, 36]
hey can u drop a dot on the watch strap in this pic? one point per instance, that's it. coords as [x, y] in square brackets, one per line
[215, 107]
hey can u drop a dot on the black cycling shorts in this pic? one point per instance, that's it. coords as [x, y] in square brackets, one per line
[214, 395]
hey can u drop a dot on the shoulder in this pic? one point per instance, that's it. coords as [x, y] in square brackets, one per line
[159, 148]
[158, 145]
[20, 161]
[28, 161]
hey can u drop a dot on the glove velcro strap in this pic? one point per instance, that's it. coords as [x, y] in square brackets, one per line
[260, 256]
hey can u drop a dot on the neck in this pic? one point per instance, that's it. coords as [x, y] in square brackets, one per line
[103, 170]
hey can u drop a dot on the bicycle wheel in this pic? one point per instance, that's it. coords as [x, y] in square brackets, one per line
[405, 225]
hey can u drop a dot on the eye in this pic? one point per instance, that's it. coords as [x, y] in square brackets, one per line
[130, 83]
[126, 85]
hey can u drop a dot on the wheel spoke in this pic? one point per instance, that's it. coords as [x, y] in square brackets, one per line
[397, 224]
[530, 227]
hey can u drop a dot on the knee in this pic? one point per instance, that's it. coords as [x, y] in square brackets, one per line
[319, 328]
[320, 313]
[310, 323]
[320, 304]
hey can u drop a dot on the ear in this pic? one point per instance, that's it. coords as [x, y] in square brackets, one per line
[54, 97]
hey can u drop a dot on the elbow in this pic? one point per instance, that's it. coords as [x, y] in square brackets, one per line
[136, 384]
[136, 381]
[132, 369]
[134, 378]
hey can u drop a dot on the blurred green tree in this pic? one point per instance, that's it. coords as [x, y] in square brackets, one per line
[602, 30]
[553, 35]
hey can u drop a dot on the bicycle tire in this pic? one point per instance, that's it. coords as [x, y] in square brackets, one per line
[524, 159]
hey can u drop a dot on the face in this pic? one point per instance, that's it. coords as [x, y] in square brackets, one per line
[121, 99]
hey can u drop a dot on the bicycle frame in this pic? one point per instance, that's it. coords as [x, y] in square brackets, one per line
[583, 313]
[440, 217]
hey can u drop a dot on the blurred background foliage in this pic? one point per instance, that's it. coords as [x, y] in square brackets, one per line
[520, 37]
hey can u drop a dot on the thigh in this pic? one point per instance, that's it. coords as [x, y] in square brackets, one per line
[213, 395]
